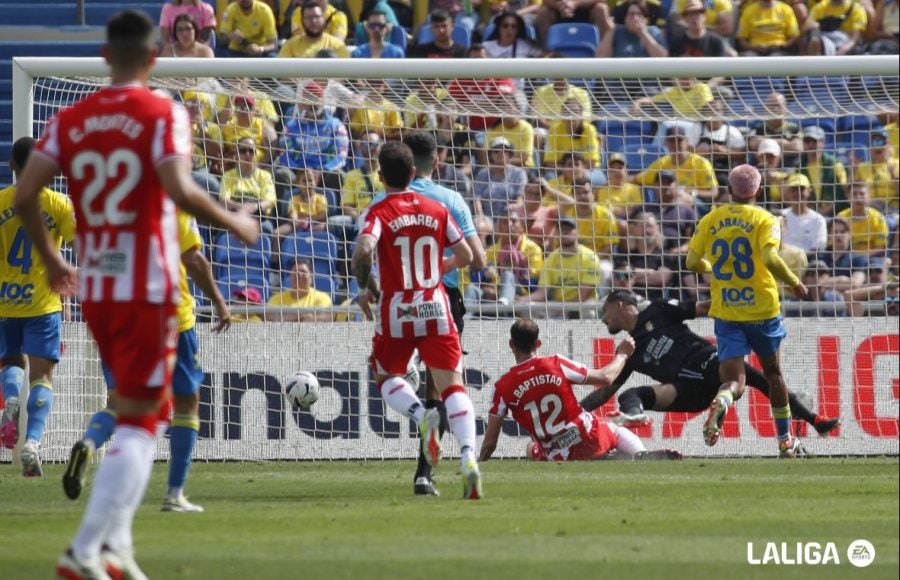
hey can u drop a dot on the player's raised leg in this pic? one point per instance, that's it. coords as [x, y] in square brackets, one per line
[733, 347]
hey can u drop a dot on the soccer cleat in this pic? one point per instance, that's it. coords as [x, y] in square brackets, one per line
[121, 565]
[31, 460]
[659, 455]
[630, 420]
[72, 568]
[179, 503]
[824, 425]
[429, 430]
[471, 480]
[791, 449]
[425, 486]
[714, 420]
[76, 468]
[9, 423]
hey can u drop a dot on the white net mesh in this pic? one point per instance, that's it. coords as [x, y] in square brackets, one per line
[635, 163]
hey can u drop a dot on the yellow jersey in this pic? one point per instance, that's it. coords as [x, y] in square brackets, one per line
[258, 185]
[335, 21]
[232, 132]
[304, 209]
[24, 289]
[306, 47]
[383, 118]
[313, 299]
[619, 199]
[893, 131]
[258, 27]
[547, 103]
[521, 137]
[855, 21]
[357, 192]
[561, 141]
[882, 186]
[733, 237]
[685, 103]
[563, 276]
[205, 132]
[188, 239]
[869, 232]
[768, 25]
[599, 231]
[695, 173]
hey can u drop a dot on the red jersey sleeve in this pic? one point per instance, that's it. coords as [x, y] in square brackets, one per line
[498, 401]
[369, 225]
[49, 142]
[453, 233]
[172, 136]
[573, 371]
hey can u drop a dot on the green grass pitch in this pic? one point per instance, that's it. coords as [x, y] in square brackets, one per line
[608, 520]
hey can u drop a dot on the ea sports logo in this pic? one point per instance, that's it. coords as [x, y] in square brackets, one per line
[861, 553]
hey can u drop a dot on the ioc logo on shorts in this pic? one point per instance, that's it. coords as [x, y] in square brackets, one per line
[861, 553]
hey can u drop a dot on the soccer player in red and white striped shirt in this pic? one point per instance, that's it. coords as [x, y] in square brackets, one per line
[538, 392]
[125, 153]
[409, 233]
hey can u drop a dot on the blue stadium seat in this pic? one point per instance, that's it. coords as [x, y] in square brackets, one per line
[324, 283]
[461, 35]
[574, 39]
[334, 201]
[843, 149]
[397, 36]
[818, 92]
[751, 92]
[639, 158]
[320, 248]
[233, 259]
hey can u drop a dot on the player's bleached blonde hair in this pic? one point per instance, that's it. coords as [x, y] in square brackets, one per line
[744, 181]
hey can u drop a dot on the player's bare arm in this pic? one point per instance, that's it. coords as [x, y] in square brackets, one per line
[37, 174]
[491, 436]
[200, 271]
[175, 176]
[362, 269]
[479, 256]
[462, 257]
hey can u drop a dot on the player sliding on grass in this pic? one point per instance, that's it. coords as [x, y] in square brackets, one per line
[409, 232]
[743, 241]
[538, 392]
[685, 364]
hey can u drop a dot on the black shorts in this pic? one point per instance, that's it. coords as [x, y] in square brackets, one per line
[694, 395]
[457, 307]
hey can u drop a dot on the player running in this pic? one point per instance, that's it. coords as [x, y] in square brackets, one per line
[743, 240]
[409, 233]
[30, 314]
[538, 392]
[424, 150]
[186, 380]
[685, 364]
[122, 150]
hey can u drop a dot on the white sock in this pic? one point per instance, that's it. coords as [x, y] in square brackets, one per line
[118, 488]
[461, 416]
[118, 537]
[401, 397]
[627, 442]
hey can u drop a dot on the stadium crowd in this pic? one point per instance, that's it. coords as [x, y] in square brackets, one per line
[568, 206]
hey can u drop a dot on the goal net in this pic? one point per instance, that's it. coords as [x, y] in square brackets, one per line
[583, 176]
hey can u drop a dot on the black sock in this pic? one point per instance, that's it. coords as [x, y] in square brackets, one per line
[634, 401]
[422, 467]
[799, 410]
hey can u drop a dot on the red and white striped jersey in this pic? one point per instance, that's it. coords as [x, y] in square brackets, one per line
[108, 147]
[411, 232]
[538, 393]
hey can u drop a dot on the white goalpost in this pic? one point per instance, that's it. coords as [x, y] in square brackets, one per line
[843, 366]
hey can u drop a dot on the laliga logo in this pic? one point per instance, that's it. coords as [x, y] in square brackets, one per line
[860, 553]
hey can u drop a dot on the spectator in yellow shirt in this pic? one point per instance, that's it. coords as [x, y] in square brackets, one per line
[881, 174]
[308, 208]
[687, 98]
[620, 196]
[301, 294]
[247, 188]
[520, 134]
[249, 29]
[767, 28]
[362, 184]
[335, 22]
[597, 226]
[692, 171]
[868, 226]
[572, 134]
[314, 37]
[379, 115]
[246, 123]
[548, 100]
[516, 258]
[834, 27]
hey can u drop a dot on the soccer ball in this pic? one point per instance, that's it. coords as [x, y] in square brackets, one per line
[302, 390]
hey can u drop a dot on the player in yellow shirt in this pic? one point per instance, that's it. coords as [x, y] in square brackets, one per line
[868, 226]
[186, 379]
[571, 273]
[249, 28]
[301, 294]
[743, 241]
[30, 314]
